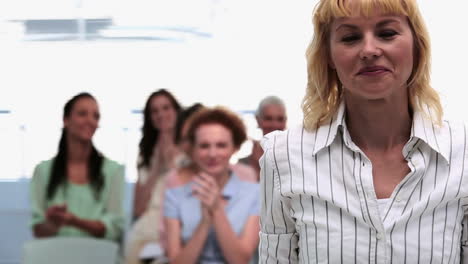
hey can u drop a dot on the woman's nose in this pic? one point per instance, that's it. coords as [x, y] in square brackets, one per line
[370, 48]
[212, 151]
[92, 119]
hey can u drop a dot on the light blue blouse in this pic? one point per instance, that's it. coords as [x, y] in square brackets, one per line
[243, 201]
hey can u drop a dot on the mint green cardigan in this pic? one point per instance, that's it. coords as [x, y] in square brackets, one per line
[81, 201]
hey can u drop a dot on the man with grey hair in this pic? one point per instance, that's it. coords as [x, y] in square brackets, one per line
[271, 116]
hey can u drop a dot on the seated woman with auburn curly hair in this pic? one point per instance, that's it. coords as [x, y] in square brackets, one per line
[214, 217]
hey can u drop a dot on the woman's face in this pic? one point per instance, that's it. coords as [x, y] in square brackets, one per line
[163, 113]
[373, 56]
[213, 148]
[83, 120]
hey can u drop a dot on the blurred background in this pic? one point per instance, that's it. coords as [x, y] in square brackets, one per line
[217, 52]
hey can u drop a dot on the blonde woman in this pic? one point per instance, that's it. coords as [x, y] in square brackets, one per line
[374, 175]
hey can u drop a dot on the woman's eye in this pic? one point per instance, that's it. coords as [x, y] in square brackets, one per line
[350, 38]
[222, 145]
[203, 145]
[387, 34]
[168, 107]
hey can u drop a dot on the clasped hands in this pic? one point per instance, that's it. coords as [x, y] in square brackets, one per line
[59, 215]
[207, 190]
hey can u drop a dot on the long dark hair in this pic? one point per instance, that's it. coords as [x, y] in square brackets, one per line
[59, 167]
[150, 133]
[182, 118]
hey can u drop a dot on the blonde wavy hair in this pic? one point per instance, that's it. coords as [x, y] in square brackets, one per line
[324, 90]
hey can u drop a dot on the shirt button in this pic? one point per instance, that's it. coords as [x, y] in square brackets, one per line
[397, 200]
[379, 236]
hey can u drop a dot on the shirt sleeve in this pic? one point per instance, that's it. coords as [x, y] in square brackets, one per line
[278, 236]
[171, 209]
[464, 240]
[464, 235]
[37, 192]
[113, 217]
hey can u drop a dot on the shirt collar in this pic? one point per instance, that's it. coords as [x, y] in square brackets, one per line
[422, 130]
[426, 131]
[326, 134]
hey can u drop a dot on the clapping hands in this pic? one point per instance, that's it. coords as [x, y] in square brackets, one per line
[206, 189]
[59, 215]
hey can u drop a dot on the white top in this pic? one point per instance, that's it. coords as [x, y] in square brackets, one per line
[319, 203]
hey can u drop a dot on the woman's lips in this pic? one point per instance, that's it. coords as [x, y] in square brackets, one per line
[373, 71]
[211, 164]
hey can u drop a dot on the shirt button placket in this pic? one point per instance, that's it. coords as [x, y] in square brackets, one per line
[379, 235]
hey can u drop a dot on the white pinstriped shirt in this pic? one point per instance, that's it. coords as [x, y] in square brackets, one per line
[319, 204]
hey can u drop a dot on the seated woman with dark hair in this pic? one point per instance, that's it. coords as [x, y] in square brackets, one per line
[214, 217]
[157, 150]
[148, 231]
[79, 192]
